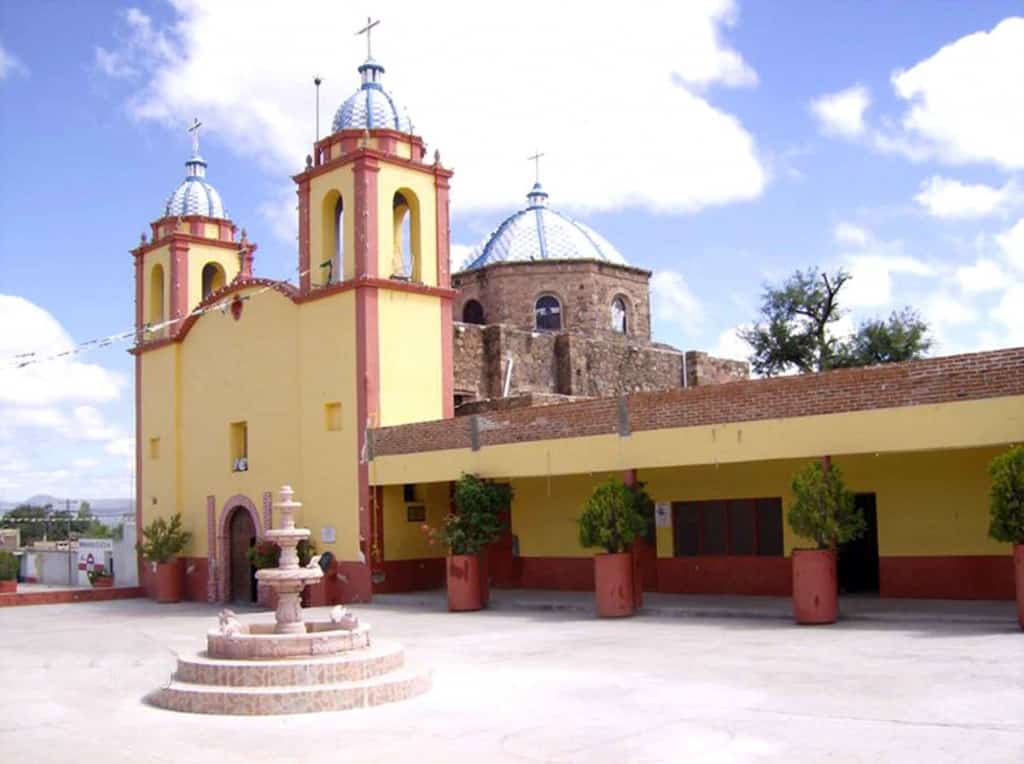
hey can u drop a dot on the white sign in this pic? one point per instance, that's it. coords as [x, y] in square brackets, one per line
[327, 534]
[92, 555]
[663, 514]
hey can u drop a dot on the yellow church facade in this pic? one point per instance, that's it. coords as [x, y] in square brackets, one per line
[340, 385]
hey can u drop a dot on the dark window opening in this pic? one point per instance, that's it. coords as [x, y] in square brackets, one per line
[473, 313]
[549, 313]
[728, 527]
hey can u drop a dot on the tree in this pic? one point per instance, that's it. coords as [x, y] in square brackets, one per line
[30, 520]
[795, 333]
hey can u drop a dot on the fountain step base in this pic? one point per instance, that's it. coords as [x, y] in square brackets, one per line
[350, 666]
[396, 685]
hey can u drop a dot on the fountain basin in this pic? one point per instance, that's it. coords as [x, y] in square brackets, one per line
[259, 641]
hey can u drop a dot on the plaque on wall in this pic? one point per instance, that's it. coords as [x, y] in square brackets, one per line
[327, 534]
[663, 514]
[415, 513]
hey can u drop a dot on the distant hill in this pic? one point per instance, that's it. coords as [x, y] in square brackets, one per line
[102, 508]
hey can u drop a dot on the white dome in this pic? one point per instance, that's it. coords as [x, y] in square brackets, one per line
[195, 195]
[541, 233]
[371, 107]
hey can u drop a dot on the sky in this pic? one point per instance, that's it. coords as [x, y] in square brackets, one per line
[719, 144]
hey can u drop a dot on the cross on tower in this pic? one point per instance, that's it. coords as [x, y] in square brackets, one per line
[536, 165]
[370, 24]
[194, 129]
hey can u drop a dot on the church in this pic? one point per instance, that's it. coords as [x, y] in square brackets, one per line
[378, 378]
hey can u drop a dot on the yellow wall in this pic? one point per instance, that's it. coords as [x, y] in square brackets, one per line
[321, 229]
[198, 256]
[151, 259]
[404, 540]
[392, 179]
[410, 358]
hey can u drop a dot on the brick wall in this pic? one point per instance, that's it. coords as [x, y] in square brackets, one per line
[935, 380]
[508, 292]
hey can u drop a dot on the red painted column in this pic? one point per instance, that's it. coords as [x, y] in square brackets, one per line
[635, 551]
[179, 280]
[365, 169]
[304, 259]
[443, 227]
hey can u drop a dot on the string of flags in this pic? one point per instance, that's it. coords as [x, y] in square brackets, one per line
[29, 358]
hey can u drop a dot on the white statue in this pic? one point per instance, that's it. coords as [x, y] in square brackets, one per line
[229, 623]
[343, 618]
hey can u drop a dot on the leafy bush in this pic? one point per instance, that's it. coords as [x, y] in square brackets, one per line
[1007, 496]
[8, 566]
[615, 515]
[267, 554]
[823, 509]
[476, 523]
[163, 539]
[94, 574]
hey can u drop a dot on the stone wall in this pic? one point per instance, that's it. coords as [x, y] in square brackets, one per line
[703, 369]
[585, 289]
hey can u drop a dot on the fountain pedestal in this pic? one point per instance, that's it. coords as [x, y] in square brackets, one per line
[292, 665]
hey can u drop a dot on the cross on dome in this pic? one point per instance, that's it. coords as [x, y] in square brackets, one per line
[536, 165]
[194, 129]
[370, 24]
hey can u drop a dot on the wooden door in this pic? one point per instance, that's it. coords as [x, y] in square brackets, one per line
[502, 555]
[243, 535]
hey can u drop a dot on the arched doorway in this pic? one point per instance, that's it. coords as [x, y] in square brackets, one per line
[241, 575]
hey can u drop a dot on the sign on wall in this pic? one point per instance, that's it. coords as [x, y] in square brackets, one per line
[327, 534]
[93, 555]
[663, 514]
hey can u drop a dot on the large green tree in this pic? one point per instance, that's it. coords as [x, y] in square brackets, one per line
[795, 331]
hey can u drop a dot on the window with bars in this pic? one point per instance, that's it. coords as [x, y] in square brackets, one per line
[728, 527]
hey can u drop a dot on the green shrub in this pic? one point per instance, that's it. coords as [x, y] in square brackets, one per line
[615, 515]
[823, 509]
[267, 554]
[1007, 496]
[163, 539]
[476, 524]
[94, 574]
[8, 566]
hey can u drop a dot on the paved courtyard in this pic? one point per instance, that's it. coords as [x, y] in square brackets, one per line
[520, 686]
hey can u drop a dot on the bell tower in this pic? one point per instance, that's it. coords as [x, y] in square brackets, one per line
[374, 232]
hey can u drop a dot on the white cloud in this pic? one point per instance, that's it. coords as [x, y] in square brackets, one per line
[486, 100]
[871, 285]
[984, 276]
[965, 100]
[1012, 244]
[121, 447]
[459, 256]
[113, 64]
[730, 345]
[50, 381]
[673, 302]
[10, 64]
[842, 113]
[852, 235]
[1010, 313]
[949, 198]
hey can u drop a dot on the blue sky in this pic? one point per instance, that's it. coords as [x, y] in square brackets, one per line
[721, 145]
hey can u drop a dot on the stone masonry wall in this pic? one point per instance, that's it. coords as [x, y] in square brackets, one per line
[585, 289]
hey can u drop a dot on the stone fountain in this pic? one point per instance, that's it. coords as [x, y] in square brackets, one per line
[292, 665]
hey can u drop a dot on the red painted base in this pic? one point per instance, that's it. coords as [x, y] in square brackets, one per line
[815, 588]
[353, 583]
[1018, 574]
[8, 587]
[463, 582]
[613, 585]
[961, 577]
[411, 575]
[65, 596]
[761, 576]
[104, 582]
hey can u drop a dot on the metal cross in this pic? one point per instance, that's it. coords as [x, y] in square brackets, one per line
[370, 24]
[536, 164]
[194, 129]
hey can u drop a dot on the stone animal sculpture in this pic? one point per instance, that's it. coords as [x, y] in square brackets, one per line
[229, 623]
[343, 618]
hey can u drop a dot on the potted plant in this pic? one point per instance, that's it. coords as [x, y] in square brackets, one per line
[1007, 512]
[8, 572]
[101, 578]
[824, 511]
[163, 540]
[474, 525]
[614, 515]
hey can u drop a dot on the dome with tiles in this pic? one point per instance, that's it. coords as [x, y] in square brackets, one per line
[195, 195]
[371, 107]
[541, 233]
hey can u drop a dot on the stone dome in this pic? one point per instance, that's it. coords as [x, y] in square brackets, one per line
[195, 195]
[371, 107]
[541, 233]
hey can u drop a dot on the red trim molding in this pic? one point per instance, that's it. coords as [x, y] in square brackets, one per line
[64, 596]
[967, 577]
[574, 574]
[365, 219]
[304, 234]
[771, 576]
[361, 152]
[411, 575]
[179, 278]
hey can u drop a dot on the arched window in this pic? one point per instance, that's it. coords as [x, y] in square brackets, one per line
[330, 267]
[156, 294]
[213, 278]
[405, 259]
[472, 313]
[619, 315]
[549, 313]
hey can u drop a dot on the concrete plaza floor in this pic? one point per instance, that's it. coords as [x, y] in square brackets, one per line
[529, 685]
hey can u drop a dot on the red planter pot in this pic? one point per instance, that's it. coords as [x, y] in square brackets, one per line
[463, 577]
[613, 585]
[815, 588]
[8, 587]
[1018, 575]
[169, 583]
[103, 582]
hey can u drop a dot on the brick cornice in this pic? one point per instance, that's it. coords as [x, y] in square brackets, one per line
[177, 238]
[930, 381]
[369, 153]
